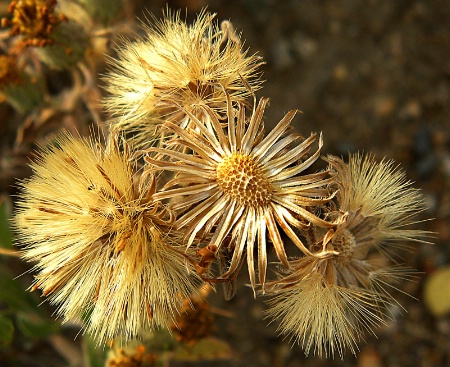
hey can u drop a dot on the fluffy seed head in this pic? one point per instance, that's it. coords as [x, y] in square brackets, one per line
[378, 193]
[175, 65]
[101, 245]
[327, 303]
[314, 314]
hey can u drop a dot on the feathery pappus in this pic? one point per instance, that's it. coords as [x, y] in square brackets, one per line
[174, 67]
[326, 304]
[101, 244]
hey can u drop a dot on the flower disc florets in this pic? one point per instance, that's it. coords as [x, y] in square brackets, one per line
[240, 177]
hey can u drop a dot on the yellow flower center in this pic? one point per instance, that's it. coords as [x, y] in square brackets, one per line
[242, 178]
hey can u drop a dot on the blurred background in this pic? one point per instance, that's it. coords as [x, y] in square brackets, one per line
[372, 75]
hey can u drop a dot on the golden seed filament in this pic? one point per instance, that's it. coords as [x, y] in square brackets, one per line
[242, 178]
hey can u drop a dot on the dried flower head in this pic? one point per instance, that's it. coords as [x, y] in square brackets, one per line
[377, 191]
[238, 186]
[178, 65]
[34, 20]
[100, 242]
[195, 322]
[324, 317]
[327, 303]
[131, 357]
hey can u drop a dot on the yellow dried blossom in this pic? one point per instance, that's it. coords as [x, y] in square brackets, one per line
[176, 65]
[327, 303]
[377, 192]
[239, 186]
[102, 253]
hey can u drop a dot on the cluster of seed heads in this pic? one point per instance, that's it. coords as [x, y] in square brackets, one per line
[189, 186]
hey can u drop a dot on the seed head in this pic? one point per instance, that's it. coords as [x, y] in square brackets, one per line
[378, 194]
[325, 318]
[101, 244]
[176, 65]
[327, 303]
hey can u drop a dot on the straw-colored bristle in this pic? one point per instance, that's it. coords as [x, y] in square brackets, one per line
[175, 66]
[97, 240]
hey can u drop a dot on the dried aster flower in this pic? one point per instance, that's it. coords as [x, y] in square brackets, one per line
[378, 192]
[238, 186]
[326, 303]
[177, 65]
[87, 218]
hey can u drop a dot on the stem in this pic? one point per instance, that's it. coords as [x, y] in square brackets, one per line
[6, 252]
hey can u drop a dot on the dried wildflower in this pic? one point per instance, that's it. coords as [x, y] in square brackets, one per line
[34, 20]
[100, 242]
[238, 185]
[194, 322]
[178, 65]
[58, 42]
[326, 303]
[380, 193]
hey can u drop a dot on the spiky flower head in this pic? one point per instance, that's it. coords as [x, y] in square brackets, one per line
[238, 186]
[378, 192]
[175, 65]
[86, 217]
[327, 316]
[327, 303]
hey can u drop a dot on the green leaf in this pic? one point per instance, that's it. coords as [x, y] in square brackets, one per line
[6, 331]
[34, 326]
[14, 295]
